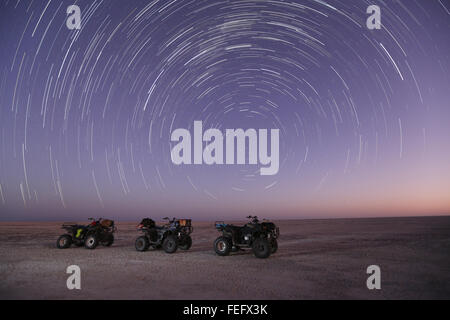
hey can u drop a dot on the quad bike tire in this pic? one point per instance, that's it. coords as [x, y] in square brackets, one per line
[223, 246]
[262, 248]
[91, 241]
[109, 240]
[142, 244]
[64, 241]
[274, 245]
[170, 244]
[186, 243]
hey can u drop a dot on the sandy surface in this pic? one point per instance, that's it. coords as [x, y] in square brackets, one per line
[316, 259]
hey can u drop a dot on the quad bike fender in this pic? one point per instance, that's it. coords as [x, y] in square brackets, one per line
[78, 233]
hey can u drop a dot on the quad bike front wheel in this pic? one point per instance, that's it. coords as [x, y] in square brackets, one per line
[170, 244]
[222, 246]
[108, 240]
[262, 248]
[185, 243]
[142, 244]
[64, 241]
[91, 242]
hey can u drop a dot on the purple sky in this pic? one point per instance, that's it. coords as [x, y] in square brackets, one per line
[86, 115]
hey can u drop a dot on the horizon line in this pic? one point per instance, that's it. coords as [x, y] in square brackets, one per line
[231, 219]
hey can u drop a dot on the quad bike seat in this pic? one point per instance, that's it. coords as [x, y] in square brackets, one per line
[234, 228]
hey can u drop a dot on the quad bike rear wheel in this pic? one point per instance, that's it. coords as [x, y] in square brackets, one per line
[64, 241]
[185, 243]
[274, 245]
[91, 241]
[262, 248]
[170, 244]
[142, 244]
[108, 240]
[222, 246]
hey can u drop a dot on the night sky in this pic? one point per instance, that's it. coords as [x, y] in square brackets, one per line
[86, 115]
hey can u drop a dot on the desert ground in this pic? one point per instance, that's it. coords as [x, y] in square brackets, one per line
[317, 259]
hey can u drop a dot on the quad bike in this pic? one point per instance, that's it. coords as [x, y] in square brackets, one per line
[98, 231]
[170, 236]
[260, 236]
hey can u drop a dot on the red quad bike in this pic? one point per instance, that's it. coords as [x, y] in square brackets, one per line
[261, 237]
[98, 231]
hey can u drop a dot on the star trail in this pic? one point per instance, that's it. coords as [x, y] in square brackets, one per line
[86, 115]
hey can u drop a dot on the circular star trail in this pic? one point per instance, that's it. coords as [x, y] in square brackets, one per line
[86, 115]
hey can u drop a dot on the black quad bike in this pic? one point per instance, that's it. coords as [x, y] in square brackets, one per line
[98, 231]
[170, 236]
[260, 236]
